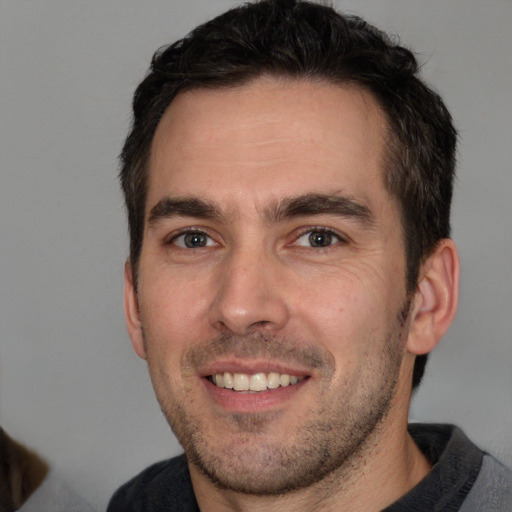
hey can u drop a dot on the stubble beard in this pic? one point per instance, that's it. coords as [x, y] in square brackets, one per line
[336, 441]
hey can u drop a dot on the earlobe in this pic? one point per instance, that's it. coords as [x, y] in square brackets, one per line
[132, 313]
[436, 298]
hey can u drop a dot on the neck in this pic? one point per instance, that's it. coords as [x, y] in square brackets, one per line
[385, 468]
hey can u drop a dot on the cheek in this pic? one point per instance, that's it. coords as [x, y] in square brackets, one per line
[169, 316]
[349, 311]
[171, 304]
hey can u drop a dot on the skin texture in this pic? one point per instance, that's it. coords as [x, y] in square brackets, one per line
[271, 283]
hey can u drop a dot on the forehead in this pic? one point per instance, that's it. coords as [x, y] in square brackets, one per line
[268, 138]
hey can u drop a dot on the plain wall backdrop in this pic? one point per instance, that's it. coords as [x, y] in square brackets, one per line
[70, 384]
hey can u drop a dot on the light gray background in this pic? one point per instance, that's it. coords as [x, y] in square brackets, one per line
[70, 384]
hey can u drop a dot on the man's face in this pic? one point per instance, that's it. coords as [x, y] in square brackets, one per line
[272, 259]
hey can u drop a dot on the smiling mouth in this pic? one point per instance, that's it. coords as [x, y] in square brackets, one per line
[257, 382]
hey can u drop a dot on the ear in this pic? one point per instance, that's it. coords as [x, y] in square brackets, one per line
[132, 313]
[436, 298]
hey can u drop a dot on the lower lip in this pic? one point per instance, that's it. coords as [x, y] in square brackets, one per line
[251, 402]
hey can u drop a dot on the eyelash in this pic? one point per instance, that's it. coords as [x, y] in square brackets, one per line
[309, 230]
[324, 231]
[188, 231]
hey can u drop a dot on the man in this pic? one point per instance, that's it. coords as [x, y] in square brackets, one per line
[288, 181]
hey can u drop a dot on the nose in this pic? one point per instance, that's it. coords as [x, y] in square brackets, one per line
[249, 294]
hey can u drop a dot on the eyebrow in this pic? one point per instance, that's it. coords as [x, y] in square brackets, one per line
[287, 208]
[320, 204]
[169, 207]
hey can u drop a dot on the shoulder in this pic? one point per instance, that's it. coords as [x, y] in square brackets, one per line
[165, 486]
[480, 482]
[492, 490]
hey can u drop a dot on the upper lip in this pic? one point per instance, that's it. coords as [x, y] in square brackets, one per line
[250, 367]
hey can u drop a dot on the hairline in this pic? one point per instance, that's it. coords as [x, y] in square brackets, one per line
[390, 156]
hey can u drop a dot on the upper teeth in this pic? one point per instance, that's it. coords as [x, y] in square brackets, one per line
[255, 382]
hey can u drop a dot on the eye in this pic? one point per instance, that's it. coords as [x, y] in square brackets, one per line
[193, 240]
[318, 238]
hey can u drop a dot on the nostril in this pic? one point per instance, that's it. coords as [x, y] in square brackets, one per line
[261, 324]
